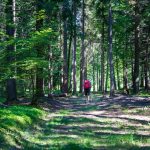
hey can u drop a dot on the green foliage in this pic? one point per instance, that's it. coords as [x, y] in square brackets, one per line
[15, 120]
[76, 146]
[42, 37]
[41, 15]
[144, 93]
[2, 100]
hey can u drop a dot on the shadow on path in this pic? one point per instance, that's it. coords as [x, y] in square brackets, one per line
[106, 123]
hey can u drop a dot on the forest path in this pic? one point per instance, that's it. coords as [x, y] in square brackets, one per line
[121, 122]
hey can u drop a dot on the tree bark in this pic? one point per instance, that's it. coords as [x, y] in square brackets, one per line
[112, 86]
[69, 53]
[146, 65]
[82, 61]
[74, 48]
[93, 70]
[11, 91]
[125, 68]
[118, 74]
[142, 77]
[50, 79]
[106, 81]
[137, 50]
[39, 50]
[39, 78]
[65, 66]
[103, 53]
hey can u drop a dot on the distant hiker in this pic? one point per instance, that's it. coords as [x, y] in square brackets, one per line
[87, 89]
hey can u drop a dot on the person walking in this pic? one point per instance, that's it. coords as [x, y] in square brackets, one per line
[87, 90]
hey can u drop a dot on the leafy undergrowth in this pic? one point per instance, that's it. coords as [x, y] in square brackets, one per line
[14, 120]
[144, 94]
[2, 100]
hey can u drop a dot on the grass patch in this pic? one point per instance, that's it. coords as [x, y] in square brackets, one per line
[63, 112]
[144, 94]
[140, 111]
[76, 146]
[14, 121]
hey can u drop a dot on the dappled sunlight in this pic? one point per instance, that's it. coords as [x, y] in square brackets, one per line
[14, 121]
[100, 127]
[101, 124]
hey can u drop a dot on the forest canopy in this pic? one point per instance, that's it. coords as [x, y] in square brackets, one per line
[52, 46]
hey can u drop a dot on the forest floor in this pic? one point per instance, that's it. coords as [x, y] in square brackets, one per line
[119, 123]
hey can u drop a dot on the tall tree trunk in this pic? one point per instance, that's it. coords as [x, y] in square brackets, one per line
[137, 50]
[103, 53]
[2, 37]
[115, 85]
[85, 64]
[10, 31]
[39, 70]
[68, 62]
[69, 53]
[82, 62]
[39, 78]
[93, 70]
[74, 48]
[65, 69]
[118, 74]
[125, 77]
[61, 48]
[50, 79]
[117, 68]
[107, 73]
[97, 75]
[65, 36]
[146, 64]
[125, 68]
[142, 77]
[112, 86]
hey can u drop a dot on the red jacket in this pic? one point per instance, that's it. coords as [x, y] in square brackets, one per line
[87, 84]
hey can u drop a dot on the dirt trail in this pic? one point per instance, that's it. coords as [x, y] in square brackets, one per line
[104, 123]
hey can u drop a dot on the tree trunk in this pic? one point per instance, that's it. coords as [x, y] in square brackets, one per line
[118, 75]
[82, 62]
[39, 78]
[97, 74]
[125, 70]
[69, 54]
[74, 48]
[137, 50]
[65, 66]
[125, 78]
[39, 71]
[103, 53]
[61, 48]
[93, 70]
[107, 73]
[142, 77]
[65, 69]
[112, 86]
[11, 91]
[146, 65]
[115, 85]
[50, 79]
